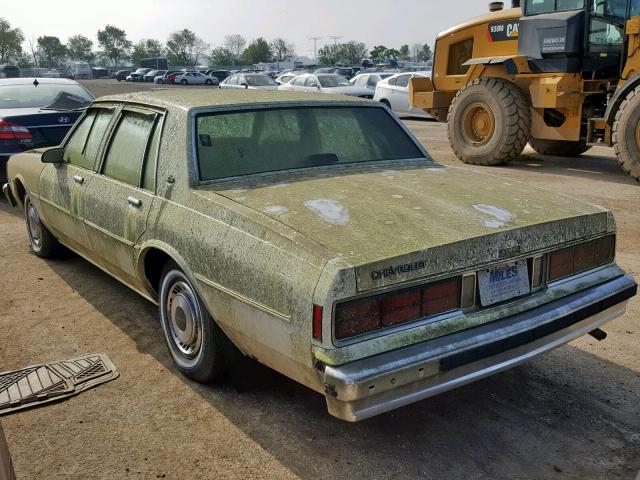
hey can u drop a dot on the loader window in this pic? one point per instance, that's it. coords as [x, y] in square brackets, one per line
[459, 53]
[535, 7]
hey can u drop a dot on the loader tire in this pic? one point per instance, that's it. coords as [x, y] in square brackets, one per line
[560, 148]
[626, 134]
[489, 122]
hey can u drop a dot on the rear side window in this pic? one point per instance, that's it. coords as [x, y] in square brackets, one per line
[403, 80]
[460, 53]
[260, 141]
[129, 145]
[84, 143]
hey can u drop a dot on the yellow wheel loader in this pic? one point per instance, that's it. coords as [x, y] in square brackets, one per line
[561, 75]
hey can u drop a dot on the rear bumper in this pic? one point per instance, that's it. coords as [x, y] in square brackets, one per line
[374, 385]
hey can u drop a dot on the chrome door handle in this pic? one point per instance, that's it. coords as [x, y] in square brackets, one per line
[78, 179]
[134, 202]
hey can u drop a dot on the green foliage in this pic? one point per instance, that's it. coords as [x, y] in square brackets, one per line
[378, 53]
[404, 52]
[79, 48]
[282, 50]
[347, 53]
[220, 56]
[114, 43]
[10, 41]
[51, 51]
[425, 53]
[185, 47]
[148, 48]
[257, 51]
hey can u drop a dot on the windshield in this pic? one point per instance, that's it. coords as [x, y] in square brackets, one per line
[269, 140]
[330, 81]
[51, 95]
[259, 80]
[535, 7]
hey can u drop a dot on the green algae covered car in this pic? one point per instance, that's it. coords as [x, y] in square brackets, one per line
[316, 235]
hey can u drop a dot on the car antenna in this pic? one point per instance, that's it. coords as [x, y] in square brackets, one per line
[35, 82]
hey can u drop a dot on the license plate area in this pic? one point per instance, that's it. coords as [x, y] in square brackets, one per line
[503, 282]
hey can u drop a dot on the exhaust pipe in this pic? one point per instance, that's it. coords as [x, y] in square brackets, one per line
[496, 6]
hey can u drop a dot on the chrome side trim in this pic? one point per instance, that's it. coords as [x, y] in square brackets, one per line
[237, 295]
[8, 194]
[374, 385]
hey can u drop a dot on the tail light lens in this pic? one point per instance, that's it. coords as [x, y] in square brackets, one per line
[317, 322]
[11, 131]
[373, 313]
[585, 256]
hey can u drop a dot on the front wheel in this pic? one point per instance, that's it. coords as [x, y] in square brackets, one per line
[195, 342]
[489, 122]
[208, 82]
[560, 148]
[626, 134]
[43, 243]
[183, 82]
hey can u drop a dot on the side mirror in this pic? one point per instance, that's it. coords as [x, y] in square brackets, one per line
[244, 85]
[318, 87]
[52, 155]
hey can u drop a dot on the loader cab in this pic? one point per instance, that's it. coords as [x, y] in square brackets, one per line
[576, 36]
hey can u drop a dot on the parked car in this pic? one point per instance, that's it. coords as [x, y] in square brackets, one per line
[138, 75]
[369, 80]
[168, 77]
[9, 71]
[219, 74]
[195, 78]
[151, 76]
[325, 83]
[441, 277]
[251, 81]
[122, 75]
[37, 113]
[394, 93]
[285, 78]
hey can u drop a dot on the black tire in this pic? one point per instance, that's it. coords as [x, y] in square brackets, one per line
[560, 148]
[183, 82]
[386, 102]
[199, 349]
[208, 82]
[507, 117]
[43, 243]
[626, 134]
[161, 82]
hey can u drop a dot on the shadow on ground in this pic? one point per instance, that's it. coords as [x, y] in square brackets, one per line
[577, 412]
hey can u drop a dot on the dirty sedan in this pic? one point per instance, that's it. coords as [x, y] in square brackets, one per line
[314, 234]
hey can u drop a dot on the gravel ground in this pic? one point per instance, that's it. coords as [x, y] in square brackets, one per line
[574, 413]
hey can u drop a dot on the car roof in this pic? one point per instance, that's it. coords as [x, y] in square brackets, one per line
[188, 99]
[43, 80]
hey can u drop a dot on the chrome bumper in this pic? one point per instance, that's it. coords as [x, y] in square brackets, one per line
[6, 190]
[368, 387]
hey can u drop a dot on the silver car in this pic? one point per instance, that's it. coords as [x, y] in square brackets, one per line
[195, 78]
[325, 83]
[394, 93]
[251, 81]
[369, 80]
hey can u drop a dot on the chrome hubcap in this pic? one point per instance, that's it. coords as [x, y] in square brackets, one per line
[185, 319]
[35, 229]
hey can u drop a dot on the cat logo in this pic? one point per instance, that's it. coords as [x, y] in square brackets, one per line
[502, 31]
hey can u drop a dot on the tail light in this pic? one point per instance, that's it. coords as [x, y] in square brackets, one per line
[317, 323]
[356, 317]
[585, 256]
[11, 131]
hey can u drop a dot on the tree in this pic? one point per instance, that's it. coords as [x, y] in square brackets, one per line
[404, 52]
[353, 52]
[378, 53]
[79, 48]
[114, 44]
[184, 47]
[33, 48]
[282, 50]
[257, 51]
[220, 56]
[424, 55]
[51, 51]
[10, 41]
[235, 44]
[416, 48]
[149, 48]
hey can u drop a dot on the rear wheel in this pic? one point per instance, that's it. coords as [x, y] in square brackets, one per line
[208, 82]
[489, 122]
[386, 102]
[560, 148]
[43, 243]
[183, 82]
[195, 342]
[626, 134]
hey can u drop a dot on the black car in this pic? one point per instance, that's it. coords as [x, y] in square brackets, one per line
[37, 113]
[121, 75]
[219, 74]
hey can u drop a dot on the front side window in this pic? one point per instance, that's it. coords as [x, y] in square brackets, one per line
[231, 144]
[128, 147]
[299, 82]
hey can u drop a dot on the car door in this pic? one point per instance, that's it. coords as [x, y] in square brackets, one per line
[118, 199]
[311, 84]
[400, 94]
[62, 185]
[298, 84]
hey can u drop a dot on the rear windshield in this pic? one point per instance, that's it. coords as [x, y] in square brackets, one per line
[260, 141]
[54, 96]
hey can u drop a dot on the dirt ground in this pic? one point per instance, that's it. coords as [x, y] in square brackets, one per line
[574, 413]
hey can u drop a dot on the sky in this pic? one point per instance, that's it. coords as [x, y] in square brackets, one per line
[388, 22]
